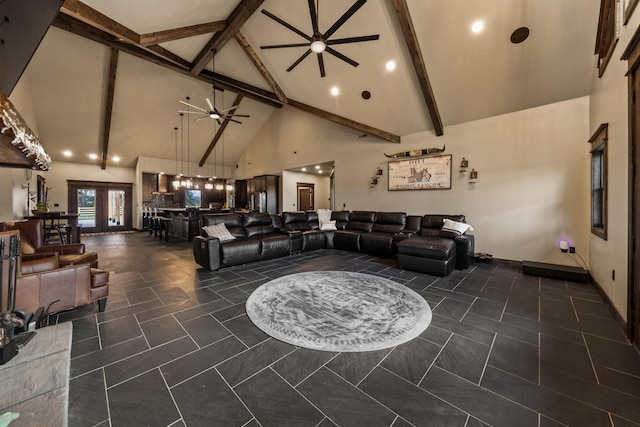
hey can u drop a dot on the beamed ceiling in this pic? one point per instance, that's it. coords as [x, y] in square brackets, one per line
[107, 77]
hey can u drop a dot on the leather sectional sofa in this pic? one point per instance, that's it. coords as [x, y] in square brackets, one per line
[417, 241]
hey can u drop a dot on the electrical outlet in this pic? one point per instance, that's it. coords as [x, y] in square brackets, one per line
[613, 275]
[572, 250]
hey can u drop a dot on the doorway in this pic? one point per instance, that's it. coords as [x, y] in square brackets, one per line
[632, 54]
[306, 196]
[101, 206]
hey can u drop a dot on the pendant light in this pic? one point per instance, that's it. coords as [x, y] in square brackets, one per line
[176, 181]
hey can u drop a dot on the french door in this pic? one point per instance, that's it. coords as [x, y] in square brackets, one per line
[101, 206]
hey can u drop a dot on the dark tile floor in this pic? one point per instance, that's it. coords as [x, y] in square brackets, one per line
[176, 348]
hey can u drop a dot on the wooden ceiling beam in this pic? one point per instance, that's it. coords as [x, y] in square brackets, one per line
[96, 19]
[262, 69]
[92, 17]
[238, 17]
[409, 33]
[360, 127]
[218, 134]
[111, 86]
[181, 33]
[87, 31]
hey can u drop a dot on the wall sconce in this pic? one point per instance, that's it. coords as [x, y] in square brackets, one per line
[464, 164]
[473, 176]
[376, 177]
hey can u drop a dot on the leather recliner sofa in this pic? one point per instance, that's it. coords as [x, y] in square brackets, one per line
[416, 240]
[255, 239]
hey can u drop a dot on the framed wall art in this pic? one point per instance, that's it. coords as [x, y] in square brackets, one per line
[426, 173]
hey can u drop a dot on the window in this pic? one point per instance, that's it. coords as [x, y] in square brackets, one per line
[607, 36]
[599, 181]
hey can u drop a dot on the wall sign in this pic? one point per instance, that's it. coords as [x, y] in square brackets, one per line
[427, 173]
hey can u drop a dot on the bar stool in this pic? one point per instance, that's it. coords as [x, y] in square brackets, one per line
[52, 226]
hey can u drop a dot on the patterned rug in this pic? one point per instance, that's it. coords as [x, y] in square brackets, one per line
[338, 311]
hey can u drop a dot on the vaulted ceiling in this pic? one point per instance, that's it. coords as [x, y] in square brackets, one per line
[470, 75]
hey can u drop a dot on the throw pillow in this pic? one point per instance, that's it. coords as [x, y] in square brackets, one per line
[220, 231]
[328, 225]
[452, 229]
[324, 215]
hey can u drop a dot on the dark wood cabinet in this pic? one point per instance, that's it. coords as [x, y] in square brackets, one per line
[263, 193]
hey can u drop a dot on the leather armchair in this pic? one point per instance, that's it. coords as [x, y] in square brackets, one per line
[43, 282]
[32, 242]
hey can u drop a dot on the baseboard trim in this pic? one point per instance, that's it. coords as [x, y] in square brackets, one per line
[616, 315]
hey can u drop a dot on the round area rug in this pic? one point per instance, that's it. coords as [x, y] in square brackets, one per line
[338, 311]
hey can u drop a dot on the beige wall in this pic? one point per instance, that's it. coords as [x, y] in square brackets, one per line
[609, 105]
[289, 190]
[533, 183]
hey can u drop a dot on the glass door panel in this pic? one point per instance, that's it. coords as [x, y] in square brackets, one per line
[87, 208]
[116, 208]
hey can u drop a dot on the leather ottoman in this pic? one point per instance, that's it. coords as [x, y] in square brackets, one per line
[429, 255]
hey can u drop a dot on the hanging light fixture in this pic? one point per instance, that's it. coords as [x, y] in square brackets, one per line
[176, 181]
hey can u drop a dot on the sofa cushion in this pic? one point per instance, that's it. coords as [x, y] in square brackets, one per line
[361, 221]
[390, 222]
[453, 229]
[232, 221]
[435, 222]
[427, 247]
[295, 221]
[341, 218]
[312, 219]
[218, 230]
[239, 251]
[257, 224]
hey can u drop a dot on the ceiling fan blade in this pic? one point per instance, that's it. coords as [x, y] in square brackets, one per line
[286, 24]
[278, 46]
[202, 118]
[209, 104]
[314, 16]
[353, 9]
[193, 106]
[190, 112]
[341, 56]
[238, 115]
[304, 55]
[230, 119]
[233, 107]
[321, 65]
[353, 39]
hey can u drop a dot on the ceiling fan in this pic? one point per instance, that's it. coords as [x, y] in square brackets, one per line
[213, 112]
[320, 42]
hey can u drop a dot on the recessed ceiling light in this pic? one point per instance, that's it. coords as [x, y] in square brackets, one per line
[93, 156]
[317, 166]
[115, 159]
[303, 169]
[67, 153]
[161, 173]
[335, 91]
[391, 65]
[477, 26]
[320, 171]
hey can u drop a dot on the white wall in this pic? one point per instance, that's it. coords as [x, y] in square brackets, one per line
[290, 180]
[533, 174]
[609, 105]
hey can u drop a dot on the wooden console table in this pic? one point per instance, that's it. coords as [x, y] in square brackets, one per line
[35, 383]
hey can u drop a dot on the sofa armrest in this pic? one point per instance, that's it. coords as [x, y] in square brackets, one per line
[465, 248]
[206, 252]
[35, 263]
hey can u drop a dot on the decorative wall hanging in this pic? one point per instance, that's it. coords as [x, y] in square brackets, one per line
[416, 153]
[13, 125]
[428, 173]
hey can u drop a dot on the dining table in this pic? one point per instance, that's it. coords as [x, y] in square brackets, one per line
[71, 218]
